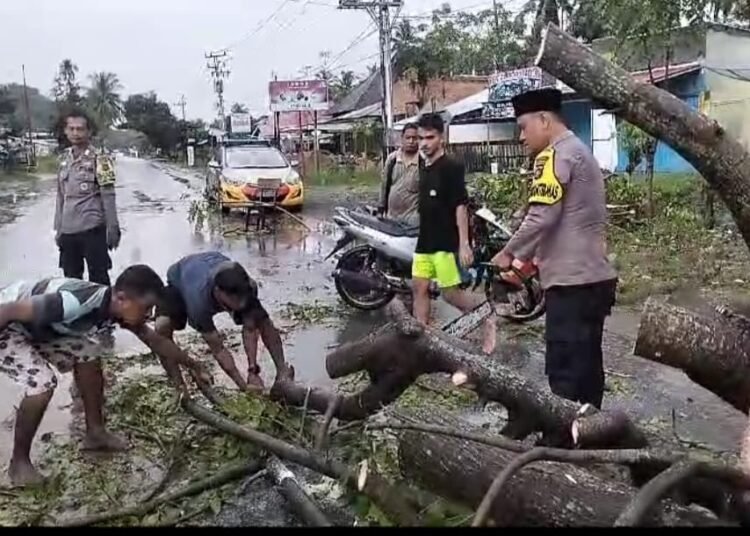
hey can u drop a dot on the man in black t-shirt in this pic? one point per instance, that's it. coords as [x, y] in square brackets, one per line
[443, 229]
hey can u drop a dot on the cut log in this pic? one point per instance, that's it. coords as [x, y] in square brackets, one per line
[292, 491]
[541, 494]
[720, 158]
[711, 347]
[745, 452]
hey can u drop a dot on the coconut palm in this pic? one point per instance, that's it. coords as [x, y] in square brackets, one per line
[103, 99]
[66, 89]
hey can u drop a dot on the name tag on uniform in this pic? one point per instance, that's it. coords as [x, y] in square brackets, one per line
[433, 193]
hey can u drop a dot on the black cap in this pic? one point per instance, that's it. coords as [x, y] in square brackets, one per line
[538, 100]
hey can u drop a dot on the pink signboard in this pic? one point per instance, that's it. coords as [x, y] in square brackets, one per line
[298, 95]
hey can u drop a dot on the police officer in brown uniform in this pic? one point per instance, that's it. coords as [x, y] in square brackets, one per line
[565, 231]
[86, 224]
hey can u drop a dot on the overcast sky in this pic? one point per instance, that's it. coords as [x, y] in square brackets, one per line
[160, 44]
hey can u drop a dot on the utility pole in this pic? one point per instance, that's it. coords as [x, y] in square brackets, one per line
[217, 65]
[182, 103]
[32, 151]
[380, 11]
[497, 35]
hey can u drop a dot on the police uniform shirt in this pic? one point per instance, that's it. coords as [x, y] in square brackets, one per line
[565, 227]
[82, 182]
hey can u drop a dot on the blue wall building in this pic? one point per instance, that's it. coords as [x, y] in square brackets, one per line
[687, 87]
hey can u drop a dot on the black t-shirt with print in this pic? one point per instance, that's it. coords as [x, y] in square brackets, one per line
[442, 188]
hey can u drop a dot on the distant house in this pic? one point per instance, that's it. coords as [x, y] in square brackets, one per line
[364, 102]
[410, 98]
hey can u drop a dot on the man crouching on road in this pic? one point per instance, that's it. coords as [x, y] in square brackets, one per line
[47, 323]
[203, 285]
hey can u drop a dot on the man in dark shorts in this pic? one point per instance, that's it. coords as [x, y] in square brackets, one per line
[52, 322]
[565, 230]
[203, 285]
[443, 230]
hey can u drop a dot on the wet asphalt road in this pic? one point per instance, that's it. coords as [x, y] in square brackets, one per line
[290, 267]
[153, 209]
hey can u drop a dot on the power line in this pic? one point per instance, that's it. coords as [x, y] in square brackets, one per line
[358, 39]
[260, 26]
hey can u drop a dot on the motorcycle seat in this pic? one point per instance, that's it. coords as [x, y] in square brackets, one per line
[384, 225]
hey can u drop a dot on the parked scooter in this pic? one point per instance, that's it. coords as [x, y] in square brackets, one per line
[373, 272]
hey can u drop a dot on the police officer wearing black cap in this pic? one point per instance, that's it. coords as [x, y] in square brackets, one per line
[565, 231]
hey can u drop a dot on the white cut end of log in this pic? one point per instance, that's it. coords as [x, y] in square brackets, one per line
[279, 471]
[362, 478]
[542, 46]
[745, 451]
[575, 432]
[459, 379]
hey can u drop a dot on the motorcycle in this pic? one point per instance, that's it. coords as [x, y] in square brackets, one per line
[370, 274]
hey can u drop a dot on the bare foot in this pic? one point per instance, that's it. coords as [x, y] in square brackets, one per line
[489, 341]
[254, 384]
[104, 441]
[285, 374]
[23, 474]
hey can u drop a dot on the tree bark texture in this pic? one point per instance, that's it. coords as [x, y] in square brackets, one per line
[720, 158]
[538, 494]
[397, 354]
[711, 347]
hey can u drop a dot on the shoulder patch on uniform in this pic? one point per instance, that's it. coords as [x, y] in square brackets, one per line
[545, 188]
[105, 171]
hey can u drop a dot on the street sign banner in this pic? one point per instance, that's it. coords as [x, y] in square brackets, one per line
[506, 85]
[241, 122]
[298, 95]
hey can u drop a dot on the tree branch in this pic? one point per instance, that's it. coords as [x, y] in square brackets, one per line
[650, 495]
[366, 482]
[497, 485]
[218, 479]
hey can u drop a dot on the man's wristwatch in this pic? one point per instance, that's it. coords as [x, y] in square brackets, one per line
[254, 370]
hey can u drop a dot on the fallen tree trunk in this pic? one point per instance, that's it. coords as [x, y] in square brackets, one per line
[369, 483]
[403, 350]
[542, 494]
[292, 491]
[720, 158]
[712, 348]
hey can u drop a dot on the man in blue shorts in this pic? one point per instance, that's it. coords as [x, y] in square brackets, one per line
[51, 322]
[202, 285]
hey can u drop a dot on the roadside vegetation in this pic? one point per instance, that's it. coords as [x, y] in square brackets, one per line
[689, 242]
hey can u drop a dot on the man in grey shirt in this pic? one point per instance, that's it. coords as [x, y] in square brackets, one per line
[86, 224]
[565, 231]
[399, 194]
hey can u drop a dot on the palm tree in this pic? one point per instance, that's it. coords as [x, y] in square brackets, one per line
[66, 87]
[103, 99]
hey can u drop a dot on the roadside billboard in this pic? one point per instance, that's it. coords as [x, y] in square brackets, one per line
[506, 85]
[241, 122]
[298, 95]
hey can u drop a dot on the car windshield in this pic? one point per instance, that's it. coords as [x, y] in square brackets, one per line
[254, 157]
